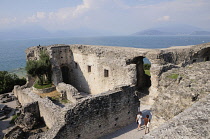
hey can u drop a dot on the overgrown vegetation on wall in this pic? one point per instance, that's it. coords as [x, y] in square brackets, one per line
[8, 81]
[40, 68]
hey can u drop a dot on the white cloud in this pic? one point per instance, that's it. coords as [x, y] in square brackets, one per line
[41, 15]
[122, 16]
[35, 18]
[8, 20]
[164, 18]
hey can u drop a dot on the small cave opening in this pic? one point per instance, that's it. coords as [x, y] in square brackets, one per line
[203, 55]
[143, 75]
[65, 74]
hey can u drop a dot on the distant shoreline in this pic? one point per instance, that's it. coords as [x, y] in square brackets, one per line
[20, 72]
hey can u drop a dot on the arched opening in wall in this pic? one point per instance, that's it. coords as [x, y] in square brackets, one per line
[65, 74]
[143, 76]
[204, 55]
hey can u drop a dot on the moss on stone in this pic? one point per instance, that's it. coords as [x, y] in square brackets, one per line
[173, 76]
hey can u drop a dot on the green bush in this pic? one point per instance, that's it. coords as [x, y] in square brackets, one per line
[147, 66]
[8, 81]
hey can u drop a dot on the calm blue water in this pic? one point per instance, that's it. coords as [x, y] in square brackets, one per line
[12, 52]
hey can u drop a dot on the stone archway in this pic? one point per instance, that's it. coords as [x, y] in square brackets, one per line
[143, 81]
[205, 54]
[65, 74]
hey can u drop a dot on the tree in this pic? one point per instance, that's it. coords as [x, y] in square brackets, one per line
[8, 81]
[40, 68]
[147, 66]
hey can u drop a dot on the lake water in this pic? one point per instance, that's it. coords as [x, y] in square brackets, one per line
[12, 52]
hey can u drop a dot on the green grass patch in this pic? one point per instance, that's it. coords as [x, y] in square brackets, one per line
[64, 101]
[36, 85]
[13, 119]
[147, 72]
[173, 76]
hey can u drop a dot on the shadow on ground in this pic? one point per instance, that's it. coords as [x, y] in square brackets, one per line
[130, 128]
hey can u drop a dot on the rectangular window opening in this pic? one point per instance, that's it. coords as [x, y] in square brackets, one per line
[89, 68]
[106, 73]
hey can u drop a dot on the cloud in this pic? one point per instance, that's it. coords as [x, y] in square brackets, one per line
[40, 15]
[164, 18]
[121, 16]
[36, 17]
[8, 20]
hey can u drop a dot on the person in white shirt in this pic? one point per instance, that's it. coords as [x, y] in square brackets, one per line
[138, 120]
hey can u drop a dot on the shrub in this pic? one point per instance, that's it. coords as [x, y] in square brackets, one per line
[147, 66]
[8, 81]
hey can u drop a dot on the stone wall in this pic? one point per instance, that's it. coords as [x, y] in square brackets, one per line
[192, 123]
[100, 114]
[62, 62]
[179, 88]
[68, 92]
[48, 110]
[45, 90]
[92, 117]
[97, 70]
[32, 108]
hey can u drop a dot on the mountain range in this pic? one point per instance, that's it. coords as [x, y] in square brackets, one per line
[39, 32]
[174, 30]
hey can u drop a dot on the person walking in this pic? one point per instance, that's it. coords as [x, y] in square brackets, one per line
[138, 120]
[146, 123]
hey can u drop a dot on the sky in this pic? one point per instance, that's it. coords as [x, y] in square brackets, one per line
[116, 16]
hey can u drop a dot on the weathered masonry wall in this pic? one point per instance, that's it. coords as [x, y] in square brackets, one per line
[62, 60]
[50, 112]
[96, 69]
[92, 117]
[101, 114]
[95, 72]
[193, 123]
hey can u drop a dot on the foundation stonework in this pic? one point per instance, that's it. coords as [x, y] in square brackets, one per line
[112, 78]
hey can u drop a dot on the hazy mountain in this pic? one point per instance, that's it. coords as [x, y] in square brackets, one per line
[38, 32]
[177, 29]
[200, 33]
[153, 32]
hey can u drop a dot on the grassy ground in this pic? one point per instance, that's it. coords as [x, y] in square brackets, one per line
[147, 72]
[36, 85]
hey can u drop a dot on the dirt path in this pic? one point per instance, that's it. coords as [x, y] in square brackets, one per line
[130, 131]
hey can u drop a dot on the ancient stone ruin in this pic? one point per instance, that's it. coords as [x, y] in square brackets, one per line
[104, 84]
